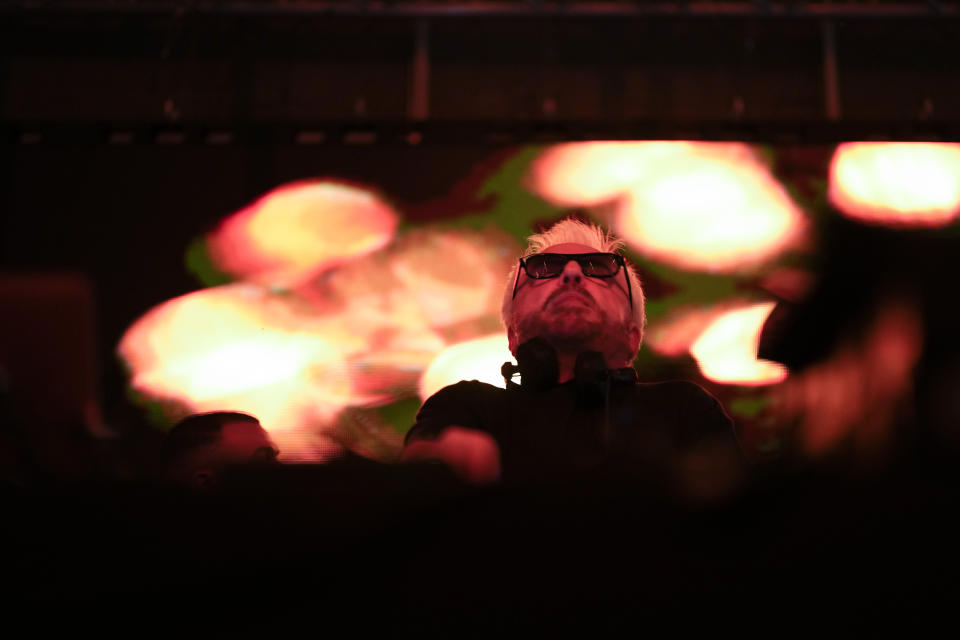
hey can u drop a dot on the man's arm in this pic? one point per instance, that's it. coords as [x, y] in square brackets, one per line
[449, 428]
[712, 465]
[471, 454]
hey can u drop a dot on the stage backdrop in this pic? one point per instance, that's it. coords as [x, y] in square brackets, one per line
[329, 288]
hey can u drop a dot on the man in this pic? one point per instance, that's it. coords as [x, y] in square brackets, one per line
[574, 313]
[201, 447]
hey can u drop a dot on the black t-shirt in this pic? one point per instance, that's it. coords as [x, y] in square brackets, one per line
[645, 429]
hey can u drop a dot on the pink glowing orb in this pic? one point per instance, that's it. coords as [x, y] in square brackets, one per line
[589, 173]
[392, 364]
[238, 348]
[726, 351]
[428, 278]
[300, 228]
[477, 359]
[897, 184]
[452, 276]
[357, 337]
[672, 335]
[714, 208]
[696, 205]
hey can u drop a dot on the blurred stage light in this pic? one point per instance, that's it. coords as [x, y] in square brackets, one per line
[453, 276]
[300, 228]
[672, 335]
[726, 351]
[862, 393]
[391, 366]
[360, 335]
[240, 348]
[590, 173]
[715, 209]
[897, 184]
[696, 205]
[447, 280]
[477, 359]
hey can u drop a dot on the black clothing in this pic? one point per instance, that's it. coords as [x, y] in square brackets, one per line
[572, 427]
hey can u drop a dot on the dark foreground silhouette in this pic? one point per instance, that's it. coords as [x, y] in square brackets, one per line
[410, 548]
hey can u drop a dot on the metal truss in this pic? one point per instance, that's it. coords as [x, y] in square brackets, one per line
[554, 8]
[460, 133]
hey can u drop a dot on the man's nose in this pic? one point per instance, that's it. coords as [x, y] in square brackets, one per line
[572, 273]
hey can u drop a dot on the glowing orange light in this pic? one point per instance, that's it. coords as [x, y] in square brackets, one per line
[672, 335]
[478, 359]
[393, 363]
[726, 350]
[359, 336]
[234, 348]
[697, 205]
[451, 276]
[428, 278]
[588, 173]
[714, 209]
[300, 228]
[899, 184]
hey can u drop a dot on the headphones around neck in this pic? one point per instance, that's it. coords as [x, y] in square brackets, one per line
[539, 369]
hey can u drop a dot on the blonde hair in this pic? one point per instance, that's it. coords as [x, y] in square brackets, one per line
[571, 230]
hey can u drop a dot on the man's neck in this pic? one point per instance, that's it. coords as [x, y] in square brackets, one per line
[567, 364]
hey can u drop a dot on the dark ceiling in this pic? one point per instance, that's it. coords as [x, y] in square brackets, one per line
[291, 63]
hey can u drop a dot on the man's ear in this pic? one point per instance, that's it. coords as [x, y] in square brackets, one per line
[634, 336]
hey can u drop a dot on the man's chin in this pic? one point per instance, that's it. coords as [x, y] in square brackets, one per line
[567, 338]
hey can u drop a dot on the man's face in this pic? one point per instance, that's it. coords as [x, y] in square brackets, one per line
[575, 312]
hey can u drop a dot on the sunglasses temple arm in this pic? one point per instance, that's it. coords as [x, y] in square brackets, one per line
[517, 281]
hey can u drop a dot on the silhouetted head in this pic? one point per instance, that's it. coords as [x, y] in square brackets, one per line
[201, 447]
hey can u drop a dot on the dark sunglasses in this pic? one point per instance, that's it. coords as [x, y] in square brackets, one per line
[540, 266]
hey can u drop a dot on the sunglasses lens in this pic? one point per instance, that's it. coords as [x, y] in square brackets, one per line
[599, 264]
[545, 265]
[549, 265]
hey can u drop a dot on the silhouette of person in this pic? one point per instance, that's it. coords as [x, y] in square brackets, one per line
[201, 447]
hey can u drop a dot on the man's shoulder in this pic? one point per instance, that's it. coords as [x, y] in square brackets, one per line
[681, 396]
[464, 388]
[466, 404]
[674, 388]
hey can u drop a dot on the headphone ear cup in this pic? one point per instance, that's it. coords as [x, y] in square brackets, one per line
[538, 364]
[508, 370]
